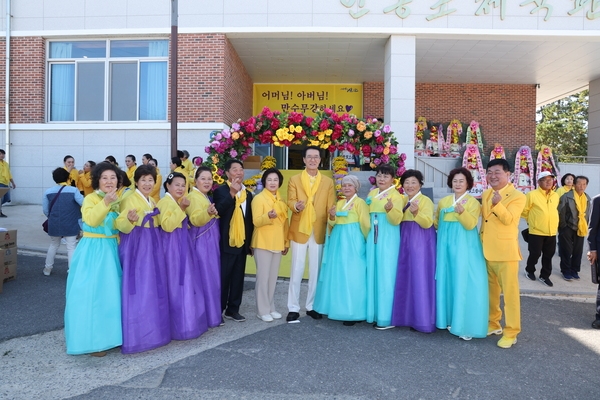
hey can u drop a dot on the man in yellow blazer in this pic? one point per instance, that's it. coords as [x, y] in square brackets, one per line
[310, 196]
[502, 206]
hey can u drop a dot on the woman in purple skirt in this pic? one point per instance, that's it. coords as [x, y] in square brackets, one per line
[204, 233]
[414, 295]
[186, 298]
[145, 304]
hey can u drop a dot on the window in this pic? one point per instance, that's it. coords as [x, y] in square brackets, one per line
[108, 80]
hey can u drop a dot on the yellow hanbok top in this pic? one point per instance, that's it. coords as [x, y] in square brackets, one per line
[358, 211]
[155, 193]
[197, 211]
[135, 201]
[425, 215]
[171, 215]
[468, 219]
[377, 205]
[94, 210]
[85, 183]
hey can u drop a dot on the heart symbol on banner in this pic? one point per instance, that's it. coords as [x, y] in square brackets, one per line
[348, 108]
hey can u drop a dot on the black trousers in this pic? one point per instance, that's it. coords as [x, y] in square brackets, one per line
[233, 268]
[544, 246]
[598, 303]
[570, 250]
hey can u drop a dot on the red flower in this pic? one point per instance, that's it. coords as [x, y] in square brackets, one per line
[309, 120]
[366, 149]
[328, 111]
[324, 125]
[379, 139]
[295, 118]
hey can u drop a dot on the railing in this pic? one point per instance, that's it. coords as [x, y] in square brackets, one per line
[578, 159]
[435, 170]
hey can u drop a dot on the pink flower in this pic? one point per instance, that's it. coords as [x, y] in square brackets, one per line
[235, 126]
[324, 125]
[328, 111]
[218, 137]
[372, 180]
[377, 161]
[226, 134]
[378, 149]
[377, 133]
[393, 149]
[215, 145]
[387, 129]
[220, 172]
[400, 171]
[309, 120]
[350, 133]
[198, 161]
[403, 156]
[385, 159]
[207, 149]
[233, 153]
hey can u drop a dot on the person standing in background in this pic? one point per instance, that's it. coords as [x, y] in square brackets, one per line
[592, 255]
[6, 179]
[131, 167]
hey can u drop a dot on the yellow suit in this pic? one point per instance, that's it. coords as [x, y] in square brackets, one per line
[324, 200]
[500, 239]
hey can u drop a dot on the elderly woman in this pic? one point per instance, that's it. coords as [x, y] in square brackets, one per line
[145, 304]
[461, 275]
[205, 236]
[342, 287]
[62, 206]
[385, 207]
[269, 241]
[186, 298]
[414, 295]
[93, 304]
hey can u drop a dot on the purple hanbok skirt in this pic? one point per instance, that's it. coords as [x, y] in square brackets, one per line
[414, 294]
[145, 302]
[205, 240]
[186, 299]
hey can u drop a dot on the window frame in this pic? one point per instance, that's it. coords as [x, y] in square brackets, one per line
[108, 61]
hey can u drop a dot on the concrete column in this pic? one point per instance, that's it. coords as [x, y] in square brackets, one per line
[399, 92]
[594, 122]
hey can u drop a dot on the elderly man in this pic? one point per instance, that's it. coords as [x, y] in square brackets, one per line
[502, 206]
[541, 213]
[592, 255]
[573, 211]
[310, 196]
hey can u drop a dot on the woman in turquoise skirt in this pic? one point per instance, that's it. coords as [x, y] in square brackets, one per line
[461, 275]
[342, 287]
[383, 245]
[93, 305]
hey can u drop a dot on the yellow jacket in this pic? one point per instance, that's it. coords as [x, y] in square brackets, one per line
[541, 212]
[324, 200]
[269, 234]
[562, 190]
[188, 167]
[197, 210]
[500, 224]
[135, 201]
[73, 176]
[130, 173]
[5, 175]
[85, 183]
[155, 193]
[425, 215]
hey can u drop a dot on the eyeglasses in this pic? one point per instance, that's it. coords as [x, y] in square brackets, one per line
[313, 157]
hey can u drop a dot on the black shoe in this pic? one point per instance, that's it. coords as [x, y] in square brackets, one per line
[530, 276]
[293, 317]
[222, 321]
[2, 215]
[237, 317]
[313, 314]
[575, 275]
[546, 281]
[567, 277]
[349, 323]
[596, 324]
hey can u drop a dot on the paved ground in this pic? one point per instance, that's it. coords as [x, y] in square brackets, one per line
[556, 356]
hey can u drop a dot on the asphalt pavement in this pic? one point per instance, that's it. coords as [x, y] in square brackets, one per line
[556, 356]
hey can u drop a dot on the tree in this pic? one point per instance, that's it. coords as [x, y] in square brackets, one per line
[563, 126]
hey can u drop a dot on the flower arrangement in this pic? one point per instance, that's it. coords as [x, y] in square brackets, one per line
[340, 169]
[453, 133]
[497, 152]
[268, 162]
[420, 128]
[523, 177]
[474, 135]
[545, 162]
[328, 130]
[472, 162]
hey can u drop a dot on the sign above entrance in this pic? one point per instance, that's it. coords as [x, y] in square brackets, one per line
[307, 99]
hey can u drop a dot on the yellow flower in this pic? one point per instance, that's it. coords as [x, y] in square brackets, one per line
[373, 165]
[321, 136]
[325, 145]
[298, 129]
[361, 126]
[214, 168]
[328, 132]
[314, 142]
[368, 135]
[338, 187]
[215, 159]
[235, 135]
[220, 180]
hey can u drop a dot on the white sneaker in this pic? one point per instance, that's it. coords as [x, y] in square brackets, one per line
[467, 338]
[47, 271]
[275, 315]
[8, 203]
[265, 318]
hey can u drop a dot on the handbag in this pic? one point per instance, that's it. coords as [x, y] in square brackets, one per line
[45, 223]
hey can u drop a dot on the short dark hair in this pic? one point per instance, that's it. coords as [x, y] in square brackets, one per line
[67, 157]
[60, 175]
[412, 173]
[155, 162]
[111, 159]
[148, 156]
[176, 161]
[385, 169]
[268, 172]
[123, 179]
[130, 156]
[99, 169]
[581, 177]
[465, 172]
[144, 170]
[564, 178]
[310, 148]
[200, 170]
[179, 153]
[92, 163]
[230, 162]
[499, 161]
[2, 151]
[172, 176]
